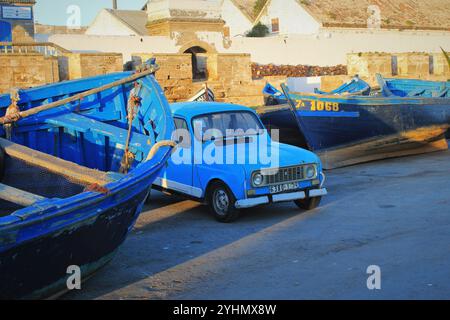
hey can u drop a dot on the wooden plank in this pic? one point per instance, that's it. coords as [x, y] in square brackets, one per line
[116, 135]
[17, 196]
[70, 170]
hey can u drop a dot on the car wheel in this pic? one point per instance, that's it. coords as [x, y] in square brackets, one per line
[221, 202]
[309, 203]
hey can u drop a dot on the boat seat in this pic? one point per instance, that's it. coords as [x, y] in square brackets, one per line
[416, 93]
[138, 141]
[72, 171]
[440, 94]
[17, 196]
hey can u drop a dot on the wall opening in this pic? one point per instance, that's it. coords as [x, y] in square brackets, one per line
[199, 63]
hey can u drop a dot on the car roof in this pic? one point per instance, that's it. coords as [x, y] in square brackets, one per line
[193, 109]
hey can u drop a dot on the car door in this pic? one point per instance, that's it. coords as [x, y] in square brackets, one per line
[178, 175]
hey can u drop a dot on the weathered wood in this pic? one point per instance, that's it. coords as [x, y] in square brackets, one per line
[420, 141]
[70, 170]
[80, 96]
[22, 198]
[117, 135]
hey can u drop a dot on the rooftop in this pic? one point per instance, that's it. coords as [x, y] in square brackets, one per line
[395, 14]
[134, 19]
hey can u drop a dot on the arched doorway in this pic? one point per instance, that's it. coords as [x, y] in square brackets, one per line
[199, 63]
[5, 32]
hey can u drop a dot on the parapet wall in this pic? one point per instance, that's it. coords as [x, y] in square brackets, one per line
[427, 66]
[81, 65]
[27, 70]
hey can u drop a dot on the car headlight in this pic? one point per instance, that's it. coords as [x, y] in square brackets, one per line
[310, 172]
[258, 179]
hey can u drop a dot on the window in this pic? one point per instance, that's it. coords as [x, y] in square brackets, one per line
[221, 122]
[275, 25]
[226, 32]
[182, 135]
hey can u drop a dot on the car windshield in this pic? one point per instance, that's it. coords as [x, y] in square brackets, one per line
[226, 124]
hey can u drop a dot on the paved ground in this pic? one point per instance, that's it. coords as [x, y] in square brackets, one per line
[394, 214]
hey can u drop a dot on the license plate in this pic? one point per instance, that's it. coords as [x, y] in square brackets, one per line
[284, 187]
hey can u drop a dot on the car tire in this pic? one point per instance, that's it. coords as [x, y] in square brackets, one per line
[221, 203]
[308, 203]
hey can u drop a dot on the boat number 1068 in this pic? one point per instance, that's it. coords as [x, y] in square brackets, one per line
[320, 105]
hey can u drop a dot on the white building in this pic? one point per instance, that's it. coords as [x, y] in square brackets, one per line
[238, 16]
[111, 22]
[289, 17]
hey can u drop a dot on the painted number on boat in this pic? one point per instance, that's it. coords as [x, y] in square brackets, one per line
[319, 105]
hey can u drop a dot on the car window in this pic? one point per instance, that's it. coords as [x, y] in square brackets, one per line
[227, 120]
[180, 123]
[182, 134]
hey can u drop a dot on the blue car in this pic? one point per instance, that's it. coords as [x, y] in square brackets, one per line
[227, 160]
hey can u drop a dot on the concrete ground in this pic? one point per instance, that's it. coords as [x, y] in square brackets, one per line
[392, 213]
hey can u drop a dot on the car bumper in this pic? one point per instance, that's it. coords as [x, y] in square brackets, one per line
[283, 197]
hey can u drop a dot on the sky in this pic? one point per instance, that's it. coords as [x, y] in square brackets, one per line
[54, 12]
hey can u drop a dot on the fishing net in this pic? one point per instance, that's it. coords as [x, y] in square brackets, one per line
[35, 180]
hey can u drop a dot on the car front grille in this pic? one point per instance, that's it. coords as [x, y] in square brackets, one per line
[283, 175]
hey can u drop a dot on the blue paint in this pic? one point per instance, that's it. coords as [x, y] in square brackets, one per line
[342, 114]
[5, 31]
[83, 228]
[192, 179]
[401, 105]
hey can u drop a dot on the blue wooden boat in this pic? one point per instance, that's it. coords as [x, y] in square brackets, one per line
[413, 88]
[349, 129]
[76, 165]
[355, 86]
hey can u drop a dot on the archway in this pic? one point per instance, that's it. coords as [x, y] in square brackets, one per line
[199, 63]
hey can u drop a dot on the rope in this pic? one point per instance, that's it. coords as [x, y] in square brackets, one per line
[157, 146]
[12, 112]
[134, 102]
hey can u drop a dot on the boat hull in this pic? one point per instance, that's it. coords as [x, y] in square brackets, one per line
[356, 130]
[71, 200]
[37, 268]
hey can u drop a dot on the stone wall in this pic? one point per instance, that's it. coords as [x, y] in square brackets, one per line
[439, 65]
[368, 64]
[411, 64]
[229, 76]
[403, 65]
[27, 70]
[81, 65]
[50, 29]
[259, 70]
[22, 30]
